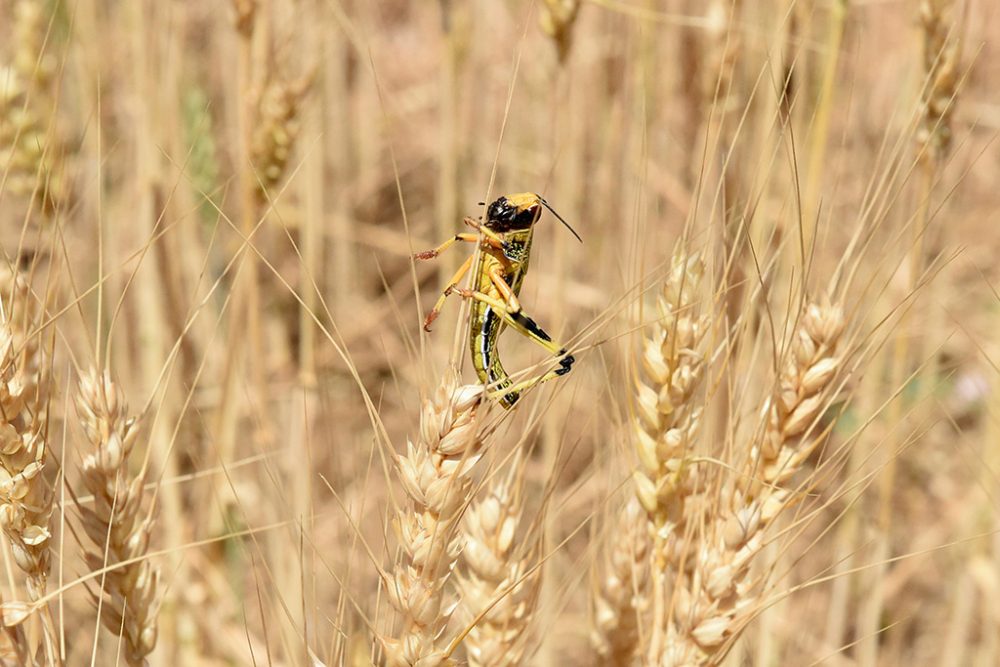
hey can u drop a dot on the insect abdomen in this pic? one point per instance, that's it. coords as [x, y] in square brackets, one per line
[485, 358]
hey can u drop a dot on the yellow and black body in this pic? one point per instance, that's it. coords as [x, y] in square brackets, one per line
[505, 249]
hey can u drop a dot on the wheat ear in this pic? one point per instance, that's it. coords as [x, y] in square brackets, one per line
[499, 588]
[667, 421]
[435, 473]
[941, 55]
[25, 496]
[29, 150]
[275, 132]
[115, 521]
[620, 595]
[715, 595]
[557, 19]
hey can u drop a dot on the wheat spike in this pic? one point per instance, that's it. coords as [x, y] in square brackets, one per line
[620, 595]
[29, 149]
[667, 422]
[275, 132]
[115, 521]
[716, 596]
[435, 473]
[25, 496]
[941, 55]
[497, 583]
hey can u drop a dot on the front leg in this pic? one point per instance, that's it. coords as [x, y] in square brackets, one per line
[434, 252]
[494, 239]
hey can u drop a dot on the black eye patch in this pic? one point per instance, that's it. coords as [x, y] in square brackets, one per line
[501, 211]
[504, 217]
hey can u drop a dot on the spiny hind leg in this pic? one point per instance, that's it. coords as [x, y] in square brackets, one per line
[509, 394]
[525, 326]
[517, 389]
[452, 284]
[515, 317]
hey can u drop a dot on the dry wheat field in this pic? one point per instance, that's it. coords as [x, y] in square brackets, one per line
[227, 439]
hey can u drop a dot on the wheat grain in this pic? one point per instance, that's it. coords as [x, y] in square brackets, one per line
[115, 522]
[435, 473]
[14, 649]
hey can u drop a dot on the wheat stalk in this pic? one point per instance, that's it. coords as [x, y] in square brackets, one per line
[435, 473]
[499, 590]
[715, 596]
[115, 522]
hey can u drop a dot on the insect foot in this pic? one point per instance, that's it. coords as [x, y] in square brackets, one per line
[565, 364]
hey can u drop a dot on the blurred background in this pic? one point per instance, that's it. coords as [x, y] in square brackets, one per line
[218, 202]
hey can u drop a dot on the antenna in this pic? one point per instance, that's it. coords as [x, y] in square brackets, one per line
[560, 218]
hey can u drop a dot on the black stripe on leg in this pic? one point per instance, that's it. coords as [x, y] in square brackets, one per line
[530, 325]
[484, 342]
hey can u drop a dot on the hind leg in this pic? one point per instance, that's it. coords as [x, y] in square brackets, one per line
[526, 326]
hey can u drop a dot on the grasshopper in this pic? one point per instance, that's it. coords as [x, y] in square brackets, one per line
[505, 247]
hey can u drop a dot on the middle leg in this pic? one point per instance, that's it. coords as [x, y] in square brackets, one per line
[452, 284]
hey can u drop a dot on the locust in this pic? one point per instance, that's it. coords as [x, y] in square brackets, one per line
[505, 247]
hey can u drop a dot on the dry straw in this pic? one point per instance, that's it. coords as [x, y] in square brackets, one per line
[435, 473]
[499, 588]
[115, 521]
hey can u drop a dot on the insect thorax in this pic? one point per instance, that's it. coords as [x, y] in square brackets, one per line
[516, 249]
